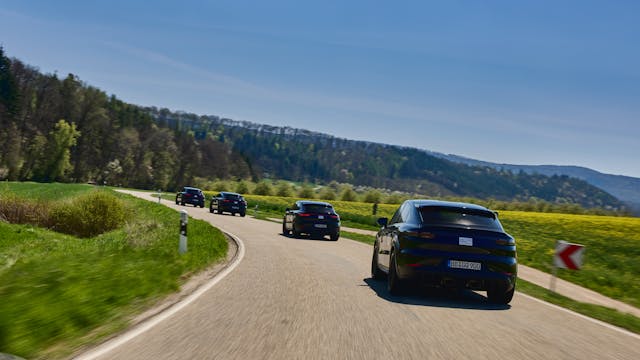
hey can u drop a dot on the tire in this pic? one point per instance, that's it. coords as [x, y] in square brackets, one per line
[177, 202]
[376, 273]
[182, 203]
[334, 236]
[202, 205]
[242, 214]
[295, 233]
[210, 209]
[497, 294]
[285, 232]
[394, 284]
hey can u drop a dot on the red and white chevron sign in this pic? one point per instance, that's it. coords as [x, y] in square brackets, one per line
[568, 256]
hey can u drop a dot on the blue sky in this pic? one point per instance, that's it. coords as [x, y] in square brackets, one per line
[521, 82]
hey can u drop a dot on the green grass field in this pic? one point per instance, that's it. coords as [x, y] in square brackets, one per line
[38, 191]
[59, 292]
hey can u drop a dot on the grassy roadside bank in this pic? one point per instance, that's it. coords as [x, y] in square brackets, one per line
[60, 292]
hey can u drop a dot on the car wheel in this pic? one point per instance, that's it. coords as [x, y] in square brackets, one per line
[376, 273]
[242, 214]
[219, 212]
[202, 205]
[394, 284]
[177, 202]
[285, 232]
[498, 294]
[182, 203]
[295, 233]
[335, 236]
[210, 209]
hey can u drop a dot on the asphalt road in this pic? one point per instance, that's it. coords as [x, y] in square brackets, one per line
[313, 299]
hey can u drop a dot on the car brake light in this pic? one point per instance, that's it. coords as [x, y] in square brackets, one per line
[304, 214]
[423, 235]
[333, 216]
[505, 242]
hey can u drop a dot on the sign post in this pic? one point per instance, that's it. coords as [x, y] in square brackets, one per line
[566, 256]
[184, 219]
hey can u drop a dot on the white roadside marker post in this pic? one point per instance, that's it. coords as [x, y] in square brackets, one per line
[159, 196]
[184, 219]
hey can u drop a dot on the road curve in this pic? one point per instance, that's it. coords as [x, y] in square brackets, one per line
[301, 298]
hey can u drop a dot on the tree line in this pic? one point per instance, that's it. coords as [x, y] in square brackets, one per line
[60, 129]
[304, 156]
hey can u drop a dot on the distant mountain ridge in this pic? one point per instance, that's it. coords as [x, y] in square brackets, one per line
[625, 188]
[303, 155]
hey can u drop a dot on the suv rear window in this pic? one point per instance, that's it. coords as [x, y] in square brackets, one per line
[459, 217]
[232, 196]
[320, 209]
[193, 191]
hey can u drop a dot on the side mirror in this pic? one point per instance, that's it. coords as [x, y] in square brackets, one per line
[287, 209]
[383, 221]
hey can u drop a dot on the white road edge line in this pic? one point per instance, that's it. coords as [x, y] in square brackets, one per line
[599, 322]
[147, 325]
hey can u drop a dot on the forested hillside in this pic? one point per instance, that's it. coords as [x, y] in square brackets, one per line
[302, 155]
[57, 129]
[60, 129]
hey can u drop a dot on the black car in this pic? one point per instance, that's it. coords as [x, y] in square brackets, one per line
[446, 244]
[228, 202]
[313, 218]
[190, 195]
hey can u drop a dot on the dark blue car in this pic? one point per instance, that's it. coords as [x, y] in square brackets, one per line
[446, 244]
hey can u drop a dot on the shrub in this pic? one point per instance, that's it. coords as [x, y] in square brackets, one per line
[283, 189]
[88, 215]
[372, 196]
[327, 194]
[306, 192]
[263, 188]
[242, 187]
[16, 210]
[348, 195]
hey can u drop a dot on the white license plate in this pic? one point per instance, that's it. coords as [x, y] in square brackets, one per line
[468, 265]
[321, 226]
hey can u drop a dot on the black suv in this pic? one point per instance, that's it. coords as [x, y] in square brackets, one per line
[190, 195]
[446, 244]
[228, 202]
[311, 217]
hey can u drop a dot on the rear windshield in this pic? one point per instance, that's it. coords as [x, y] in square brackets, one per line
[320, 209]
[232, 196]
[193, 191]
[460, 217]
